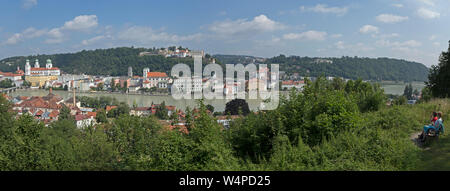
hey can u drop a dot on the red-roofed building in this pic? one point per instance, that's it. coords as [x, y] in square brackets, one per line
[84, 120]
[141, 111]
[109, 108]
[289, 84]
[156, 79]
[92, 114]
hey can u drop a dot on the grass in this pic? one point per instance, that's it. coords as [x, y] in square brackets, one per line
[437, 158]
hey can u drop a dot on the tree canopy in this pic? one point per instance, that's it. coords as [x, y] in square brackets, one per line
[439, 77]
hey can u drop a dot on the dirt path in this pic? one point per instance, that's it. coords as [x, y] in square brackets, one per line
[415, 138]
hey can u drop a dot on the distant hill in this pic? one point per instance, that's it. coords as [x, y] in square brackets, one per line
[377, 69]
[115, 62]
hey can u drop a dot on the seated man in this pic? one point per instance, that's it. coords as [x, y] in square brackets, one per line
[438, 124]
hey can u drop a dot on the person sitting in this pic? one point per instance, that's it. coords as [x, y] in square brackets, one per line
[426, 128]
[440, 122]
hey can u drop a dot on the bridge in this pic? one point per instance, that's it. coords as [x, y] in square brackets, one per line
[8, 90]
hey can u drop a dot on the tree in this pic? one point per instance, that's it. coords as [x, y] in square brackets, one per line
[7, 83]
[408, 92]
[439, 76]
[113, 85]
[65, 114]
[122, 109]
[161, 111]
[237, 107]
[426, 94]
[101, 116]
[210, 108]
[26, 84]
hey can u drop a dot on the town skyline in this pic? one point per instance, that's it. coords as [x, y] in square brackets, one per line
[316, 29]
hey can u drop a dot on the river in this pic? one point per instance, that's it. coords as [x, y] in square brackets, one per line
[219, 105]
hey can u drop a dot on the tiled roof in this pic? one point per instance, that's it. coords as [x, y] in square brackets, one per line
[92, 114]
[80, 117]
[9, 74]
[157, 75]
[54, 114]
[109, 108]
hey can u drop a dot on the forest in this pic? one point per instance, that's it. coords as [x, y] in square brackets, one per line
[115, 62]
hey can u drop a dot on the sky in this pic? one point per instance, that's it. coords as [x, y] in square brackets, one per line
[415, 30]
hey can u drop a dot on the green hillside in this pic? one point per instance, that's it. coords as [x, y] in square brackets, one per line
[115, 61]
[379, 69]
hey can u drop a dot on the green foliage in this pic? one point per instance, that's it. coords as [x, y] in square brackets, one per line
[237, 107]
[408, 92]
[439, 76]
[115, 62]
[161, 111]
[97, 102]
[426, 94]
[6, 83]
[101, 116]
[210, 108]
[112, 62]
[402, 100]
[353, 68]
[122, 109]
[323, 128]
[64, 114]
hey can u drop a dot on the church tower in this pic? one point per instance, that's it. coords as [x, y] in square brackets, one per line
[145, 72]
[27, 68]
[36, 63]
[49, 64]
[130, 72]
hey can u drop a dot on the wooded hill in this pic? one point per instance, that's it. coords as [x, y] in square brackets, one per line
[115, 62]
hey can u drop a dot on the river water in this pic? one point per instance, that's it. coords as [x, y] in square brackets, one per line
[142, 100]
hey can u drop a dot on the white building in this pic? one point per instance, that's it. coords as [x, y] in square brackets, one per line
[155, 79]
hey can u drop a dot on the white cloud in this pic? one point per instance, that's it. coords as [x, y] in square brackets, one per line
[340, 45]
[259, 24]
[398, 5]
[308, 35]
[28, 4]
[389, 18]
[323, 8]
[94, 40]
[26, 34]
[147, 35]
[427, 2]
[437, 44]
[336, 36]
[428, 14]
[82, 22]
[392, 35]
[358, 47]
[397, 45]
[367, 29]
[56, 35]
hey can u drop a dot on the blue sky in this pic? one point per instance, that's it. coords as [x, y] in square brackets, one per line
[416, 30]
